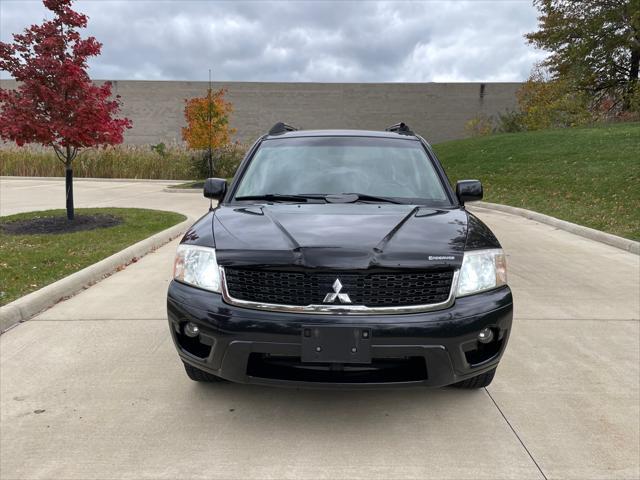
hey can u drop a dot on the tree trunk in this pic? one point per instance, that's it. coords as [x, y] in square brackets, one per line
[210, 163]
[633, 77]
[69, 190]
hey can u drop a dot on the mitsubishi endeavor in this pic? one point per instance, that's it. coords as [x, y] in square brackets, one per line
[340, 258]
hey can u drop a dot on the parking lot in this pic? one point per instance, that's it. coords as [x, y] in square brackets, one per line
[92, 388]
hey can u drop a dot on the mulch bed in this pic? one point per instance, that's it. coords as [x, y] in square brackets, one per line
[57, 225]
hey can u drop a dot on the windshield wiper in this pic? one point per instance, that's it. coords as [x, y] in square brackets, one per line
[330, 198]
[371, 198]
[275, 197]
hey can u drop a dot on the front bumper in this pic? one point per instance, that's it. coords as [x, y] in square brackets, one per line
[250, 346]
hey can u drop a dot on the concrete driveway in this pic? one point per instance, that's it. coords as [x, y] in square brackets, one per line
[25, 195]
[92, 388]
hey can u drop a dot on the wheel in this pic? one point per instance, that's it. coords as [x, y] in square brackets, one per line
[198, 375]
[479, 381]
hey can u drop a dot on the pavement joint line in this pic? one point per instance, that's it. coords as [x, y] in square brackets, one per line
[516, 434]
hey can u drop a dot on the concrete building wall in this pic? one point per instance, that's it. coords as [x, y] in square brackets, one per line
[438, 111]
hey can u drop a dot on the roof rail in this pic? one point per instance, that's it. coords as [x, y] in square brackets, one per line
[280, 128]
[401, 128]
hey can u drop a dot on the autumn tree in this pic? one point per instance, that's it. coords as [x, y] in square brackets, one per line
[594, 45]
[55, 103]
[551, 103]
[208, 123]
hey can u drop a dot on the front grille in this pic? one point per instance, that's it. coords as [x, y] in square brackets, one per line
[379, 289]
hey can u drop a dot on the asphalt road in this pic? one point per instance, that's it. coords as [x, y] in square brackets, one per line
[92, 388]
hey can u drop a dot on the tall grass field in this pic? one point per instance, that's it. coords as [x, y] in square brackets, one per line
[124, 161]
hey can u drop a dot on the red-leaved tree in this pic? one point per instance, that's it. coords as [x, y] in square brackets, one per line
[55, 103]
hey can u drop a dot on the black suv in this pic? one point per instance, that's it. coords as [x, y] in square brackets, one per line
[340, 258]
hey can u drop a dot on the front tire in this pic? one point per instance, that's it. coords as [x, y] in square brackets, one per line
[479, 381]
[198, 375]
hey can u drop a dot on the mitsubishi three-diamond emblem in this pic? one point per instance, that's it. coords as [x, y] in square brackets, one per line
[331, 297]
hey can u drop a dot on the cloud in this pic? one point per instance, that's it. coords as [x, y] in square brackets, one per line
[321, 41]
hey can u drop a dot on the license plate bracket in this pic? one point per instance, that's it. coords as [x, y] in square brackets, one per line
[336, 344]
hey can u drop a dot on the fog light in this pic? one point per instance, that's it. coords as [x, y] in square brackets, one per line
[191, 330]
[485, 335]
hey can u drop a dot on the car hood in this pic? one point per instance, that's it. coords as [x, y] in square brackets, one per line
[340, 236]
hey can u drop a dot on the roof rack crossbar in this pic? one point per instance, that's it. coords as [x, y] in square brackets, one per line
[401, 128]
[280, 128]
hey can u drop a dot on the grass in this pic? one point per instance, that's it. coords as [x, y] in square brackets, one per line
[29, 262]
[589, 176]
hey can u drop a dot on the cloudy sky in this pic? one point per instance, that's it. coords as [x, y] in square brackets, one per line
[321, 41]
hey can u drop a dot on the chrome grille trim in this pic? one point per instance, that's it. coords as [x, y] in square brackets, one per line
[340, 309]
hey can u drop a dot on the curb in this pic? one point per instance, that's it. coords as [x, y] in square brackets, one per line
[586, 232]
[24, 308]
[182, 190]
[91, 179]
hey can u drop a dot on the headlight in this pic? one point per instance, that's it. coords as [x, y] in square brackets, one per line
[197, 266]
[482, 270]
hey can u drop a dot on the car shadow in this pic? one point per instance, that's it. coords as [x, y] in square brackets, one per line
[319, 409]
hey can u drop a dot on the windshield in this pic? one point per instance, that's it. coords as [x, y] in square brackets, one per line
[380, 167]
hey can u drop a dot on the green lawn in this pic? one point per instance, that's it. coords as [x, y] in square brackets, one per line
[589, 176]
[29, 262]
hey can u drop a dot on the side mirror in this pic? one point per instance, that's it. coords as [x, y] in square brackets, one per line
[469, 191]
[215, 188]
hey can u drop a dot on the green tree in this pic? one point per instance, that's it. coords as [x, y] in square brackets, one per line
[594, 45]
